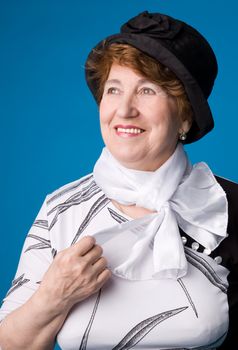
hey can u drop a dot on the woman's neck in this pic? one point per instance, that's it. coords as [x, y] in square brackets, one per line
[131, 210]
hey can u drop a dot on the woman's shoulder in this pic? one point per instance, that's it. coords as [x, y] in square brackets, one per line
[229, 247]
[70, 189]
[231, 190]
[230, 187]
[228, 251]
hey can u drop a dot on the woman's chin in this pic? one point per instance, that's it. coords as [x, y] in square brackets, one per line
[132, 161]
[129, 160]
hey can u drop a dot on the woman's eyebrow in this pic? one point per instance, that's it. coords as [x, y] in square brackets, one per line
[139, 82]
[145, 81]
[112, 81]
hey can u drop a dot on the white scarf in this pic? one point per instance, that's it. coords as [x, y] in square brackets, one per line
[182, 196]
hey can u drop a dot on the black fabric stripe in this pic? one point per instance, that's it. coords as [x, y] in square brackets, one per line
[76, 197]
[206, 269]
[117, 217]
[188, 296]
[137, 333]
[54, 252]
[41, 224]
[44, 243]
[83, 345]
[93, 211]
[69, 189]
[74, 200]
[17, 283]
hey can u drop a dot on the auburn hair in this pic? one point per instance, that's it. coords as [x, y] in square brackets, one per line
[100, 62]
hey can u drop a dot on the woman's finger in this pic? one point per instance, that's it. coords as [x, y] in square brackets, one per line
[103, 276]
[84, 245]
[93, 254]
[99, 265]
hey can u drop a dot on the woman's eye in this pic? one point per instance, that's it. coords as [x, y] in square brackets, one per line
[112, 90]
[147, 91]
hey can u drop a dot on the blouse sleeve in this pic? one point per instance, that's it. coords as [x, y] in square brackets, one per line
[228, 250]
[36, 256]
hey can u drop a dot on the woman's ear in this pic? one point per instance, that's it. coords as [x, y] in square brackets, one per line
[186, 125]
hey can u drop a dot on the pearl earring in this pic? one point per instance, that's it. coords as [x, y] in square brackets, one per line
[182, 135]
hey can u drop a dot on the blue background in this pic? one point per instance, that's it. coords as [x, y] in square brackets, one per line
[49, 121]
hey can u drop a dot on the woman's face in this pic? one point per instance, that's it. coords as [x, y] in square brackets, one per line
[139, 121]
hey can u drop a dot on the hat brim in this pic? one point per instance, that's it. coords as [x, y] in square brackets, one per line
[202, 116]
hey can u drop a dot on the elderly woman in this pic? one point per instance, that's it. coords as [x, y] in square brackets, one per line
[142, 253]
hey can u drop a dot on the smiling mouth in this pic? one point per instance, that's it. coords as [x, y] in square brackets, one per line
[134, 131]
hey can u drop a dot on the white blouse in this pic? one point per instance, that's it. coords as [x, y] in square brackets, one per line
[188, 313]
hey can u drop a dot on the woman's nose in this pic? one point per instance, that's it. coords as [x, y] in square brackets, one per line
[127, 107]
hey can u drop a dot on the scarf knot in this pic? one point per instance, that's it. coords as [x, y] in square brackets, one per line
[180, 195]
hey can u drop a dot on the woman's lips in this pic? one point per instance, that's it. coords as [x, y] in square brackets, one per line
[128, 130]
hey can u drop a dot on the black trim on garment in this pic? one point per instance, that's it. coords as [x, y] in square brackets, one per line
[228, 250]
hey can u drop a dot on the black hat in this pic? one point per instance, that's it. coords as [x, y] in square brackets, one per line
[183, 50]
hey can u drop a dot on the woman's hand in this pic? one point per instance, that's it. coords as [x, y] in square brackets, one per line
[75, 274]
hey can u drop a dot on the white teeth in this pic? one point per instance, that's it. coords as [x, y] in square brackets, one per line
[130, 131]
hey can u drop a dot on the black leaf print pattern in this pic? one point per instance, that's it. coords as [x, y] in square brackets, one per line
[60, 193]
[94, 210]
[44, 243]
[54, 252]
[82, 196]
[83, 345]
[17, 283]
[188, 296]
[143, 328]
[77, 197]
[119, 218]
[41, 224]
[202, 265]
